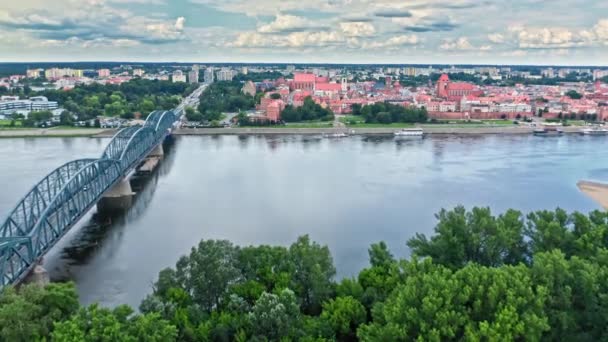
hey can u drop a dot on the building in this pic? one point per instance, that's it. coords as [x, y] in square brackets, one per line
[225, 74]
[209, 75]
[249, 88]
[34, 73]
[12, 104]
[455, 90]
[193, 76]
[56, 73]
[178, 76]
[138, 72]
[103, 73]
[244, 70]
[303, 81]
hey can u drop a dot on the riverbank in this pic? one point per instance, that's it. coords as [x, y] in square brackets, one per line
[428, 129]
[54, 133]
[597, 191]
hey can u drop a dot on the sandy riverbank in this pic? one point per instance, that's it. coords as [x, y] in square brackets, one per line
[597, 191]
[439, 129]
[46, 133]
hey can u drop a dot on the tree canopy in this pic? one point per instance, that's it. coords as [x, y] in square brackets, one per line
[480, 277]
[308, 111]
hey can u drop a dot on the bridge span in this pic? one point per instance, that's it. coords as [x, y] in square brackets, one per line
[60, 199]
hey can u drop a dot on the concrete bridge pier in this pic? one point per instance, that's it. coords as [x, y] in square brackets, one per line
[118, 198]
[158, 151]
[38, 276]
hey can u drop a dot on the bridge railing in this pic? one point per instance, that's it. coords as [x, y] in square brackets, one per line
[60, 199]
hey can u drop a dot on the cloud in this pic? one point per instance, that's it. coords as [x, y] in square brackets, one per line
[394, 42]
[285, 23]
[393, 13]
[425, 23]
[461, 43]
[292, 40]
[557, 37]
[496, 38]
[357, 29]
[179, 23]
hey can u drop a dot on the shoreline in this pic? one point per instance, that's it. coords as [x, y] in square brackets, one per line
[444, 130]
[428, 130]
[596, 191]
[54, 133]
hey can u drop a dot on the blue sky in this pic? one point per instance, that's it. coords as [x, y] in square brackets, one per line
[315, 31]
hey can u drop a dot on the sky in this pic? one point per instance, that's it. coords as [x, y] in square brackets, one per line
[556, 32]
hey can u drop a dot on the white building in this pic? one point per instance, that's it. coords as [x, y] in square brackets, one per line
[209, 75]
[225, 74]
[12, 104]
[103, 73]
[178, 76]
[138, 72]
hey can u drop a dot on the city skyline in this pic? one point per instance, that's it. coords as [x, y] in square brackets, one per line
[332, 31]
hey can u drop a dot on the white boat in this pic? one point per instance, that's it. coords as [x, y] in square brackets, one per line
[594, 130]
[336, 135]
[409, 132]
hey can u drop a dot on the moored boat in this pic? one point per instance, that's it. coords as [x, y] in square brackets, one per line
[409, 132]
[548, 131]
[594, 130]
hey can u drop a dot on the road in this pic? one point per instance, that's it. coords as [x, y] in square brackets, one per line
[190, 101]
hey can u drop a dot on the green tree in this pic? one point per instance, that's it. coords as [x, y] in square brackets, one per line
[573, 94]
[29, 314]
[344, 315]
[313, 271]
[475, 236]
[273, 316]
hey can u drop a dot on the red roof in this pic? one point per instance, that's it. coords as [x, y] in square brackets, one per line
[444, 78]
[460, 86]
[303, 77]
[328, 87]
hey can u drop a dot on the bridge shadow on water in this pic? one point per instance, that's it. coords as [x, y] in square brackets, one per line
[102, 232]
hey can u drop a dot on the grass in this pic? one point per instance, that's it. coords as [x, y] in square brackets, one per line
[379, 125]
[307, 124]
[499, 122]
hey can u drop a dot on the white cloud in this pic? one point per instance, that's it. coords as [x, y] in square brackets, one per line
[179, 23]
[461, 43]
[283, 23]
[496, 38]
[358, 29]
[292, 40]
[393, 43]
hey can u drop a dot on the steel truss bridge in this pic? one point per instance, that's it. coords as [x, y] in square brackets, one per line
[66, 194]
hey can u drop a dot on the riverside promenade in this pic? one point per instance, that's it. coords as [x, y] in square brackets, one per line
[428, 129]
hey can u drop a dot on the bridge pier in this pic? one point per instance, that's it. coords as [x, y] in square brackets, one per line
[118, 198]
[158, 151]
[38, 276]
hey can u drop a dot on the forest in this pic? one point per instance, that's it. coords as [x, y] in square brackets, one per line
[539, 276]
[221, 97]
[308, 111]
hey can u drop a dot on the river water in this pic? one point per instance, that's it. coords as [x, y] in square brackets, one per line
[345, 193]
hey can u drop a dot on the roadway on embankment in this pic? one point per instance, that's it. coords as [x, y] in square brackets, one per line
[53, 133]
[443, 129]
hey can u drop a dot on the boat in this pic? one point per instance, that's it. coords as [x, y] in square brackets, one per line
[336, 135]
[594, 130]
[409, 132]
[548, 131]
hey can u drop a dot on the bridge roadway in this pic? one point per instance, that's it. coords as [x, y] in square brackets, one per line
[66, 194]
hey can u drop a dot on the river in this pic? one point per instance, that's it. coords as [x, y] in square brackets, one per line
[346, 194]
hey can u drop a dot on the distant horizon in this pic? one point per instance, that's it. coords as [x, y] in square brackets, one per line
[129, 62]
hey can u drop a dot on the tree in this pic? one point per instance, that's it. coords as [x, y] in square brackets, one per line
[273, 316]
[344, 315]
[29, 314]
[475, 236]
[100, 324]
[313, 271]
[473, 303]
[380, 256]
[40, 116]
[573, 94]
[66, 119]
[207, 272]
[275, 96]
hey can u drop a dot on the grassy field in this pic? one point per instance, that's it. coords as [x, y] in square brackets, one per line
[307, 124]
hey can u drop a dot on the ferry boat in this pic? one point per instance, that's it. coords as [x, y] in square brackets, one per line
[594, 130]
[548, 131]
[409, 132]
